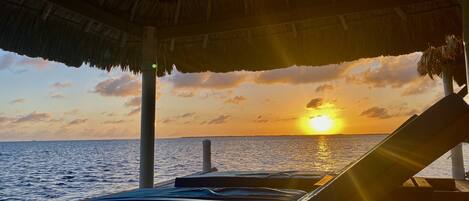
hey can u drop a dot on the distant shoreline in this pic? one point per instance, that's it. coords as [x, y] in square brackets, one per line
[322, 135]
[208, 136]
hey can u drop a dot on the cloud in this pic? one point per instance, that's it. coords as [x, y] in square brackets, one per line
[167, 120]
[261, 119]
[126, 85]
[206, 80]
[77, 121]
[420, 86]
[133, 102]
[16, 101]
[235, 100]
[60, 85]
[34, 117]
[114, 121]
[186, 115]
[38, 63]
[287, 119]
[314, 103]
[183, 94]
[134, 111]
[324, 87]
[72, 112]
[220, 119]
[109, 114]
[57, 96]
[301, 74]
[4, 119]
[391, 112]
[377, 112]
[175, 118]
[217, 94]
[9, 60]
[393, 71]
[6, 61]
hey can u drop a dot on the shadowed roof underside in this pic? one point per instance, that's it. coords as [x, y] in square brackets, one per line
[223, 35]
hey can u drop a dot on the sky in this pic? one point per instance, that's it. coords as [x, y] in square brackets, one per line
[45, 100]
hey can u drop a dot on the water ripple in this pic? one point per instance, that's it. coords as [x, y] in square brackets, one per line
[73, 170]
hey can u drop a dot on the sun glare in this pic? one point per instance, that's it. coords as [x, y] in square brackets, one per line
[321, 123]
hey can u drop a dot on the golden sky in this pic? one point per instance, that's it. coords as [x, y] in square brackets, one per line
[44, 100]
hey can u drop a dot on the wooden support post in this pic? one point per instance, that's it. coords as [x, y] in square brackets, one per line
[456, 152]
[466, 36]
[147, 122]
[207, 158]
[457, 168]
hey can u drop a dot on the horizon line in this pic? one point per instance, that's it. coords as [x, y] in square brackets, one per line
[189, 137]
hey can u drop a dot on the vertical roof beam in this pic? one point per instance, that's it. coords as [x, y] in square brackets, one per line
[295, 32]
[124, 38]
[246, 7]
[133, 10]
[401, 13]
[88, 26]
[205, 42]
[176, 19]
[343, 22]
[207, 19]
[47, 11]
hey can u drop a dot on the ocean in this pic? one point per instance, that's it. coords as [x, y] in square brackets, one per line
[74, 170]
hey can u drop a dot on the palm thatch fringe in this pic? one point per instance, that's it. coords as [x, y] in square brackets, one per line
[63, 37]
[449, 56]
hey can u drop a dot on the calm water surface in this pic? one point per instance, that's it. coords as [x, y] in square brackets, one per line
[73, 170]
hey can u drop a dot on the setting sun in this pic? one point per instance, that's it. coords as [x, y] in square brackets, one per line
[321, 123]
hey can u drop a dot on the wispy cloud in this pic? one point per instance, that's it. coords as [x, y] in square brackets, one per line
[235, 100]
[56, 96]
[314, 103]
[72, 112]
[220, 119]
[205, 80]
[115, 121]
[261, 119]
[5, 119]
[300, 75]
[16, 101]
[34, 117]
[77, 121]
[183, 94]
[126, 85]
[133, 102]
[60, 85]
[420, 86]
[6, 61]
[134, 111]
[175, 118]
[394, 72]
[12, 60]
[377, 112]
[324, 87]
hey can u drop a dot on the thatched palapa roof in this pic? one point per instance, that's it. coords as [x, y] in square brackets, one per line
[224, 35]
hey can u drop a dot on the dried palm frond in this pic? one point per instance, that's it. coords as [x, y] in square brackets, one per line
[449, 56]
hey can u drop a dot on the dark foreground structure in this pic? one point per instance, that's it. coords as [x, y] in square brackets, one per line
[152, 36]
[384, 173]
